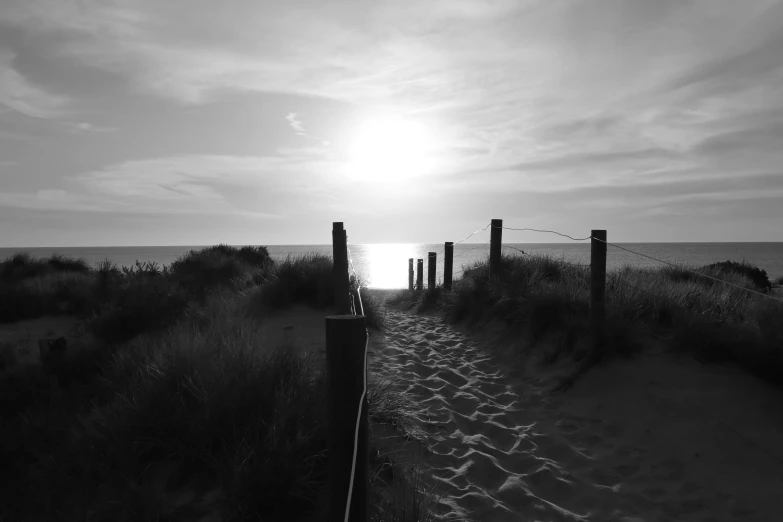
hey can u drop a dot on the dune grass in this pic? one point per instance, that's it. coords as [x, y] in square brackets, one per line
[307, 279]
[130, 299]
[549, 298]
[194, 415]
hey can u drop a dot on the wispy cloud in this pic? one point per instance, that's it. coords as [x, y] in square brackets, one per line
[295, 123]
[205, 184]
[87, 127]
[19, 94]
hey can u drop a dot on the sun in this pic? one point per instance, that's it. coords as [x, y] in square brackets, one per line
[390, 147]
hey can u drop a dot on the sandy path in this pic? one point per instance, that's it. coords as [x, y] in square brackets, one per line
[502, 448]
[488, 457]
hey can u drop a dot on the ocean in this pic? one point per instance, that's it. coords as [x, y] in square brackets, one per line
[386, 265]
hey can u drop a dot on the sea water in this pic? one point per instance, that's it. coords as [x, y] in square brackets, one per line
[386, 265]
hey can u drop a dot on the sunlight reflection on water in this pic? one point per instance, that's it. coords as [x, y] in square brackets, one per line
[386, 265]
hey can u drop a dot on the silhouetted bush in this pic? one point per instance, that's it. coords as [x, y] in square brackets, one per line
[756, 275]
[304, 279]
[22, 266]
[200, 270]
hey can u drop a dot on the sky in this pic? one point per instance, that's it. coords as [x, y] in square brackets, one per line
[142, 122]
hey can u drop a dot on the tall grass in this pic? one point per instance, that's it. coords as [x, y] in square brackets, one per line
[187, 413]
[23, 266]
[307, 279]
[544, 296]
[203, 418]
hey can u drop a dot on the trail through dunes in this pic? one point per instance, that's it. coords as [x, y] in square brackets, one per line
[501, 447]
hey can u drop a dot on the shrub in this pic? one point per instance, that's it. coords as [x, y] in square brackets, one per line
[201, 270]
[146, 297]
[22, 266]
[305, 279]
[756, 275]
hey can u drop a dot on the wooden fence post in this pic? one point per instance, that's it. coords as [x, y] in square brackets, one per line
[496, 240]
[342, 299]
[598, 289]
[419, 274]
[346, 338]
[448, 264]
[431, 269]
[410, 274]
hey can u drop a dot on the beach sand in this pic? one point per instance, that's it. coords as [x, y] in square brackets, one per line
[654, 438]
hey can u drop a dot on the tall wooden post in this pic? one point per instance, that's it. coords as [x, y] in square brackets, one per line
[342, 299]
[410, 274]
[346, 373]
[598, 290]
[419, 274]
[496, 240]
[448, 264]
[431, 269]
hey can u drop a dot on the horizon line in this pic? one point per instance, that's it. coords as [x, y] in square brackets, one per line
[389, 243]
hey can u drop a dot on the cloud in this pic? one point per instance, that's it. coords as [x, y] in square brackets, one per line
[545, 96]
[295, 123]
[20, 95]
[253, 186]
[86, 127]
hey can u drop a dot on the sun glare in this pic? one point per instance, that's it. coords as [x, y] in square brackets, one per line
[390, 147]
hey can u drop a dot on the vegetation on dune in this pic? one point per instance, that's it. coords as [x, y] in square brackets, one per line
[129, 299]
[183, 412]
[548, 299]
[23, 266]
[308, 280]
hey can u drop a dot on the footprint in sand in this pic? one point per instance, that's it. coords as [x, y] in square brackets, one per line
[497, 454]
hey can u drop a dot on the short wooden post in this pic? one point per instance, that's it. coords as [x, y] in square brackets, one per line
[342, 299]
[346, 374]
[431, 269]
[410, 274]
[448, 264]
[496, 240]
[598, 290]
[419, 274]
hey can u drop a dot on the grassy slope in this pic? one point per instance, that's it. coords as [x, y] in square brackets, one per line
[185, 412]
[542, 298]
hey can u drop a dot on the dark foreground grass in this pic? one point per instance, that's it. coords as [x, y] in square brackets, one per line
[548, 299]
[193, 419]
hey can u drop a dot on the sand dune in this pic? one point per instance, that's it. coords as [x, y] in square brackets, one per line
[503, 448]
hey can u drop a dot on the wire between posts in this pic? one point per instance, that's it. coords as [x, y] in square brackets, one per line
[474, 233]
[548, 232]
[689, 270]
